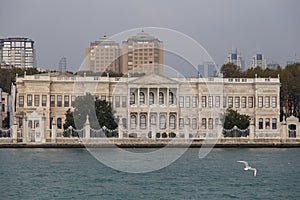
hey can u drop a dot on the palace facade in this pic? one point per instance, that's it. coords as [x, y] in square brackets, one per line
[152, 103]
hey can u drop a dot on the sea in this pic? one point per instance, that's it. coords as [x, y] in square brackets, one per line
[71, 173]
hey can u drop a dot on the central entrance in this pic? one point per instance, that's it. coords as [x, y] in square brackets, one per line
[34, 127]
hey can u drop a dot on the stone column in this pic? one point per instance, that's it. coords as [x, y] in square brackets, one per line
[219, 130]
[186, 129]
[25, 129]
[138, 97]
[87, 128]
[283, 130]
[252, 130]
[43, 129]
[120, 129]
[53, 130]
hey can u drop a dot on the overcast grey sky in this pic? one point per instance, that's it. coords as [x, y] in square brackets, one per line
[66, 27]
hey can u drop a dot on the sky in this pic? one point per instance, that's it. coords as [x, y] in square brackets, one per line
[64, 28]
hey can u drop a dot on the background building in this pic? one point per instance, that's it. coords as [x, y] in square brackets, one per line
[4, 106]
[17, 52]
[103, 55]
[142, 53]
[259, 60]
[207, 69]
[62, 65]
[237, 59]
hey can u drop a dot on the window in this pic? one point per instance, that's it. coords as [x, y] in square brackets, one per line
[194, 123]
[267, 101]
[132, 121]
[181, 123]
[152, 120]
[162, 122]
[187, 101]
[73, 100]
[142, 98]
[210, 101]
[203, 101]
[260, 101]
[29, 100]
[66, 101]
[171, 98]
[250, 102]
[244, 102]
[210, 123]
[124, 122]
[44, 100]
[36, 100]
[117, 101]
[161, 98]
[203, 123]
[21, 101]
[181, 101]
[52, 100]
[267, 121]
[143, 122]
[274, 123]
[224, 102]
[172, 122]
[59, 123]
[217, 101]
[194, 101]
[230, 102]
[151, 98]
[132, 98]
[111, 100]
[59, 100]
[124, 101]
[237, 102]
[260, 123]
[274, 101]
[216, 122]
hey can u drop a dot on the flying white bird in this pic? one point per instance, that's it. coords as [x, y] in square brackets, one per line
[247, 167]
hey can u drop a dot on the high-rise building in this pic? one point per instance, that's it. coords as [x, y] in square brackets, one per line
[207, 69]
[142, 53]
[17, 52]
[62, 65]
[259, 60]
[103, 55]
[272, 65]
[237, 59]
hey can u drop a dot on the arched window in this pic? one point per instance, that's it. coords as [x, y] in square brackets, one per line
[59, 123]
[162, 122]
[133, 122]
[172, 122]
[171, 98]
[151, 98]
[143, 122]
[152, 120]
[161, 98]
[142, 98]
[132, 98]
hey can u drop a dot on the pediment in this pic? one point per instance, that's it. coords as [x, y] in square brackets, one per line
[152, 79]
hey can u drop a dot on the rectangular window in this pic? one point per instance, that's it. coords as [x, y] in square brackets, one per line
[181, 101]
[224, 102]
[267, 101]
[274, 101]
[181, 123]
[203, 101]
[237, 102]
[203, 123]
[194, 123]
[230, 102]
[267, 121]
[117, 101]
[37, 100]
[260, 101]
[52, 100]
[260, 123]
[210, 101]
[73, 100]
[274, 123]
[244, 103]
[194, 101]
[59, 100]
[250, 102]
[132, 98]
[29, 100]
[210, 123]
[124, 101]
[66, 101]
[21, 101]
[44, 100]
[217, 101]
[187, 101]
[111, 100]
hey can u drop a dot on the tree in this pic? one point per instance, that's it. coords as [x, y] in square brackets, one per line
[69, 120]
[231, 70]
[6, 121]
[233, 118]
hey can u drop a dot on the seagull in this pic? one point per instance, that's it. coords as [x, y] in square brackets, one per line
[247, 167]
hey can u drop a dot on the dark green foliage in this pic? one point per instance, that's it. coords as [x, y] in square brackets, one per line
[230, 70]
[233, 118]
[6, 121]
[172, 135]
[69, 120]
